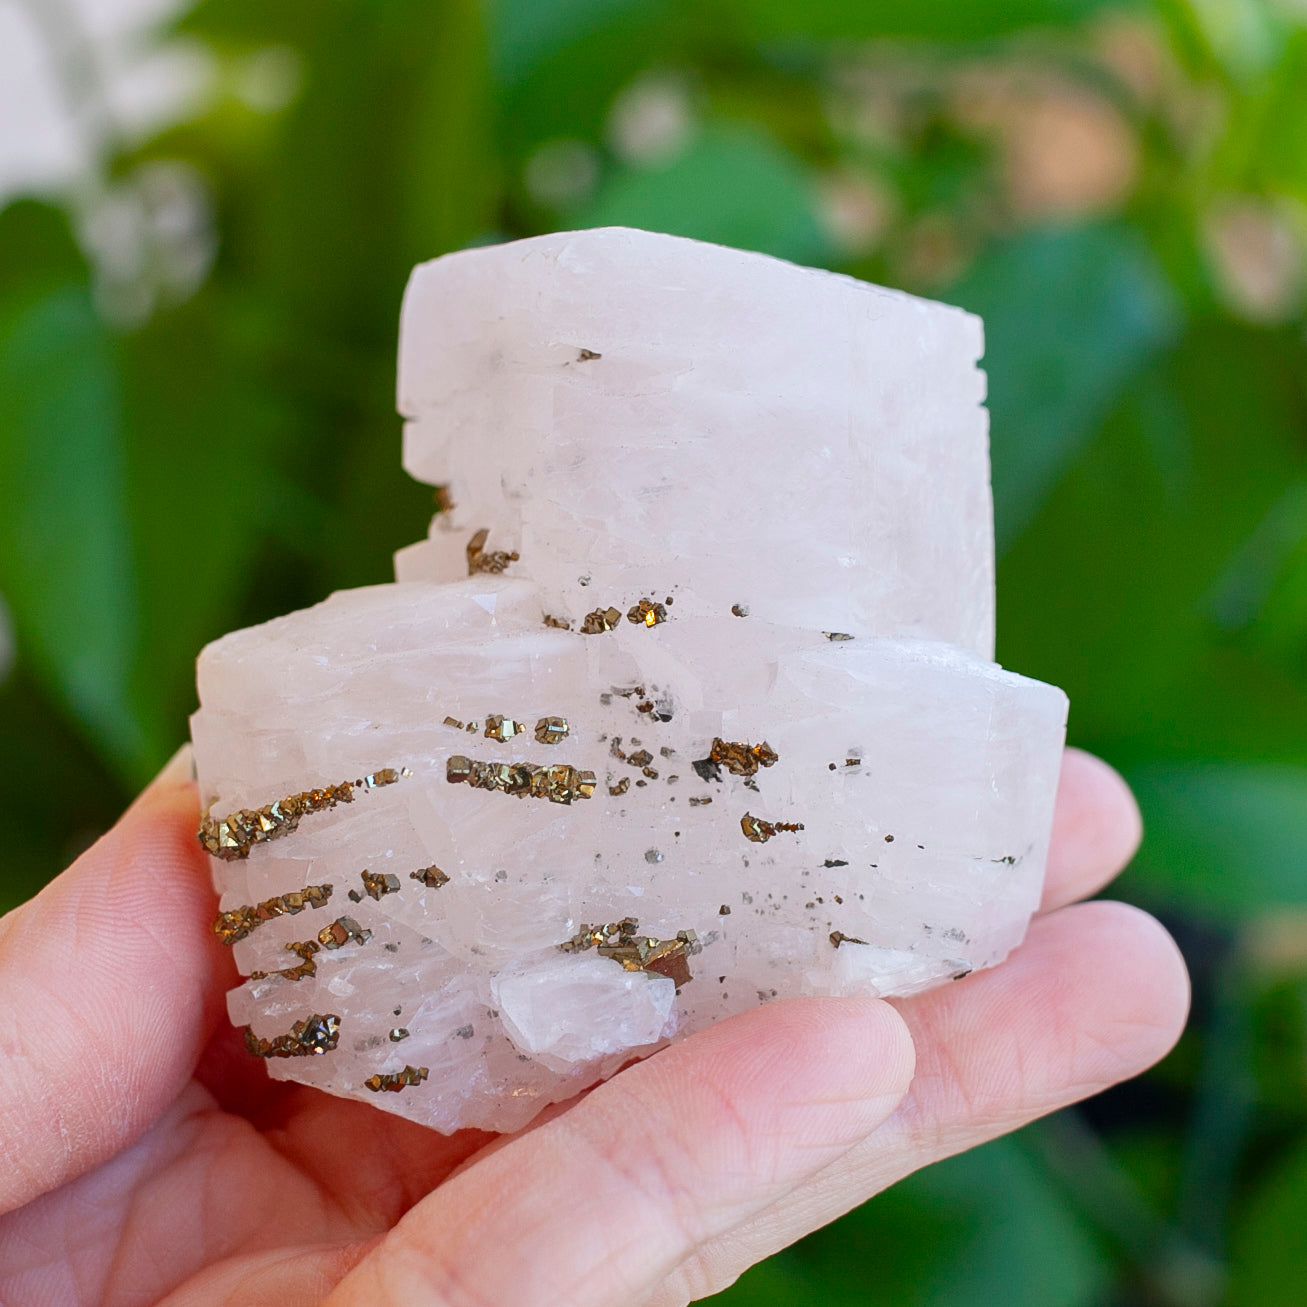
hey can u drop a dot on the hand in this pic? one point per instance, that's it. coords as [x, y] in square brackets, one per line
[145, 1157]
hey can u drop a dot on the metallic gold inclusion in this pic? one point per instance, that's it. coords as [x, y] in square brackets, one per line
[235, 835]
[304, 950]
[601, 620]
[647, 613]
[551, 730]
[558, 623]
[621, 787]
[341, 931]
[376, 885]
[838, 937]
[700, 800]
[397, 1034]
[623, 942]
[311, 1037]
[760, 831]
[239, 922]
[396, 1080]
[479, 559]
[501, 728]
[740, 610]
[742, 759]
[432, 877]
[558, 784]
[836, 635]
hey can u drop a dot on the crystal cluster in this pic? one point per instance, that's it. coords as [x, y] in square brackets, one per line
[686, 703]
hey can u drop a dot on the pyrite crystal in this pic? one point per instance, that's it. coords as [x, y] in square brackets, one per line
[686, 703]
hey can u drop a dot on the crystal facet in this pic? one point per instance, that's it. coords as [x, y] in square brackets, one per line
[637, 441]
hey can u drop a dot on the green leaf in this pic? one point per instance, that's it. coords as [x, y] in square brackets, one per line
[233, 22]
[37, 252]
[66, 797]
[733, 185]
[450, 175]
[530, 32]
[558, 64]
[1071, 315]
[982, 1228]
[1278, 149]
[1128, 589]
[65, 552]
[1225, 838]
[933, 19]
[1268, 1264]
[1242, 37]
[379, 164]
[204, 436]
[780, 1279]
[1260, 600]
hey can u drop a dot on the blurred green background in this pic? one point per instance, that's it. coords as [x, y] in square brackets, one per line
[197, 347]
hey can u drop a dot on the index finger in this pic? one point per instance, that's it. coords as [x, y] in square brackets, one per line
[599, 1204]
[109, 985]
[1096, 830]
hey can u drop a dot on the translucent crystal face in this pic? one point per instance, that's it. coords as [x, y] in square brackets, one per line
[684, 706]
[622, 406]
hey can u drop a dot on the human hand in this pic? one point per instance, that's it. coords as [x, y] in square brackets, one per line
[144, 1157]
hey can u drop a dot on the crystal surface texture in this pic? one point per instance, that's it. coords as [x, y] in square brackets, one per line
[685, 704]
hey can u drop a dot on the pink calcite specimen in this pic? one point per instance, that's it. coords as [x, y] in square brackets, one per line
[686, 703]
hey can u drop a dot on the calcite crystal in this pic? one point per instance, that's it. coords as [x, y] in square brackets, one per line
[686, 703]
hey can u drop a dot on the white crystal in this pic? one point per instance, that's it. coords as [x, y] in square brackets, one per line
[816, 445]
[565, 1010]
[793, 444]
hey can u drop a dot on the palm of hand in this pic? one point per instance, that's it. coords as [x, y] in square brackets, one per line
[144, 1157]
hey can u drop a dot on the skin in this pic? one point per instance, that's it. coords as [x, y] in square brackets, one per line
[145, 1158]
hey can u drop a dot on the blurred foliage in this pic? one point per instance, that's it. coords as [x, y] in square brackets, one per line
[197, 432]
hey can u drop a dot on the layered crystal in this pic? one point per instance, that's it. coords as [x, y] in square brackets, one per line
[684, 706]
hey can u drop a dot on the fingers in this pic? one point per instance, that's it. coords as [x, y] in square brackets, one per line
[281, 1277]
[1096, 830]
[108, 982]
[605, 1200]
[1096, 995]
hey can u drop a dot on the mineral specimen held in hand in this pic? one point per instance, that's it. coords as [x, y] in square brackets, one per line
[686, 703]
